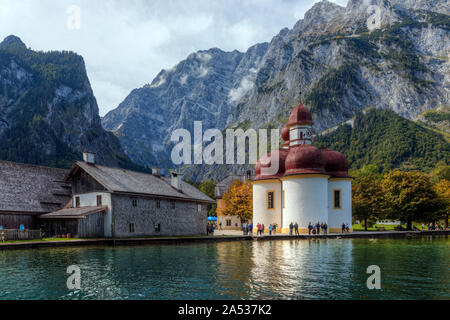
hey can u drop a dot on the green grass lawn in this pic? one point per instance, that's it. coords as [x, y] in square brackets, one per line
[39, 240]
[388, 227]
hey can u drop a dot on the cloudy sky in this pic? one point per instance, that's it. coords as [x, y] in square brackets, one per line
[126, 43]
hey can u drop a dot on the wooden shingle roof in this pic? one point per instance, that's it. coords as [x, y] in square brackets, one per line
[28, 188]
[133, 182]
[73, 213]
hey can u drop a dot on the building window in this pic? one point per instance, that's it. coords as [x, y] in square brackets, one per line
[77, 202]
[134, 202]
[158, 227]
[99, 201]
[337, 199]
[270, 200]
[158, 203]
[172, 204]
[228, 222]
[131, 227]
[199, 207]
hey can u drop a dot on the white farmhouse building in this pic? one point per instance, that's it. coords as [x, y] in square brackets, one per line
[311, 185]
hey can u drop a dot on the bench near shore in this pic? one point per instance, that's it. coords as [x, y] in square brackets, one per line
[184, 240]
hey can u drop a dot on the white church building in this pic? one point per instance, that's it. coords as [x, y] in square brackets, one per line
[311, 185]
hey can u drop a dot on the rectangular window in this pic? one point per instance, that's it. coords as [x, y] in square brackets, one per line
[77, 202]
[99, 201]
[337, 199]
[172, 204]
[228, 223]
[270, 200]
[158, 203]
[134, 202]
[131, 227]
[199, 207]
[158, 227]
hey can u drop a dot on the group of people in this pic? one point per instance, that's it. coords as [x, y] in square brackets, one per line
[345, 227]
[210, 227]
[317, 228]
[261, 228]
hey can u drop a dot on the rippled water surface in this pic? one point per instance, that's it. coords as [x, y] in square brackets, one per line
[417, 268]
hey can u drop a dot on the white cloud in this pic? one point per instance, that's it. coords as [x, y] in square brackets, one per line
[126, 43]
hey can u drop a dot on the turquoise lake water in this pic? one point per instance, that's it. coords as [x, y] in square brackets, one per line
[417, 268]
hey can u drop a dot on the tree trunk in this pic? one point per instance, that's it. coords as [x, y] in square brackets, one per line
[409, 225]
[365, 224]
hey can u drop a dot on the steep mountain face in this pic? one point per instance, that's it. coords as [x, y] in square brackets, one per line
[204, 87]
[388, 54]
[48, 113]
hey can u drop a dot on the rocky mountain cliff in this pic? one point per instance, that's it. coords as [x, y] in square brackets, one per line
[48, 113]
[384, 53]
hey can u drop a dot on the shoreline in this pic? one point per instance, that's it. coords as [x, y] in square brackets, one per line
[203, 239]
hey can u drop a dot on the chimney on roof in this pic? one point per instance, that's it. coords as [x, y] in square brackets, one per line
[156, 172]
[176, 181]
[89, 157]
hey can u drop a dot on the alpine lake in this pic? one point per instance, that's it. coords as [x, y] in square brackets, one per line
[410, 268]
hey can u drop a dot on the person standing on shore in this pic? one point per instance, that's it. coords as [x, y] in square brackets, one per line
[310, 228]
[274, 229]
[296, 229]
[270, 229]
[318, 228]
[325, 228]
[250, 228]
[263, 228]
[291, 227]
[343, 227]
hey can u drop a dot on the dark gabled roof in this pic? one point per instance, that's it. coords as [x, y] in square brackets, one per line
[223, 185]
[73, 213]
[26, 188]
[132, 182]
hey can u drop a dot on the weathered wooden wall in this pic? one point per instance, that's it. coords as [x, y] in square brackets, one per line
[84, 183]
[14, 220]
[91, 226]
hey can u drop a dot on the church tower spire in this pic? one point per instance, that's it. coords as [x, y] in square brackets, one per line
[300, 126]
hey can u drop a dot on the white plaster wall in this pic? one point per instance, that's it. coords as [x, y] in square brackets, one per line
[260, 212]
[335, 216]
[90, 200]
[306, 201]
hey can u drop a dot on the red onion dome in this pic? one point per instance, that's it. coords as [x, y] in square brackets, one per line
[285, 133]
[266, 162]
[336, 164]
[305, 159]
[300, 115]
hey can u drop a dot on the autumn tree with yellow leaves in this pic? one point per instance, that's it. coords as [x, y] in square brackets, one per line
[238, 200]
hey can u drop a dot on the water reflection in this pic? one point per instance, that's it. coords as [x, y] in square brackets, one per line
[297, 269]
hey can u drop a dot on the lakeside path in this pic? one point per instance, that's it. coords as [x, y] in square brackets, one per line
[221, 236]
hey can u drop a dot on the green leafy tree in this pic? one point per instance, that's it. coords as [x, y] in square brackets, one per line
[410, 196]
[368, 199]
[443, 190]
[207, 187]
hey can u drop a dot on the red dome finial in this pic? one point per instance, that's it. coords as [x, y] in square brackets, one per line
[300, 115]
